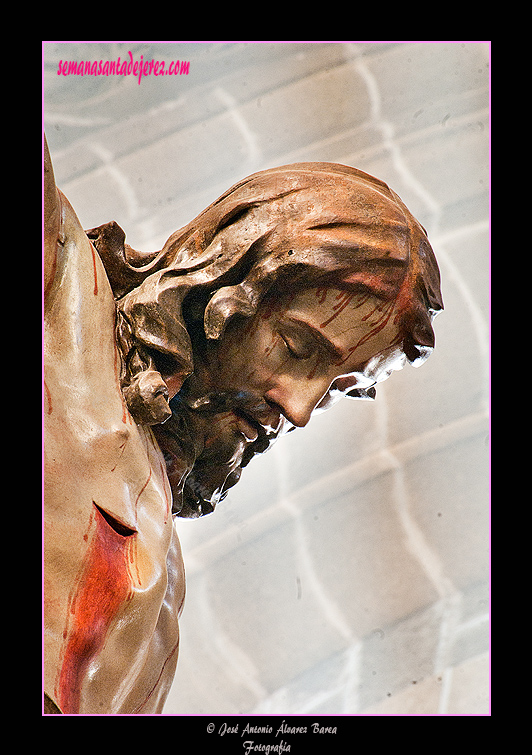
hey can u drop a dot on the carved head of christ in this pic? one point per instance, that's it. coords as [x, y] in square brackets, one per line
[300, 285]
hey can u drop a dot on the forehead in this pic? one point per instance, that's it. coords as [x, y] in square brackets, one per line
[359, 325]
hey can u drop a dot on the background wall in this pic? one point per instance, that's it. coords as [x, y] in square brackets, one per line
[348, 570]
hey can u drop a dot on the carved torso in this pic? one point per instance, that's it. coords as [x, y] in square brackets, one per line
[114, 580]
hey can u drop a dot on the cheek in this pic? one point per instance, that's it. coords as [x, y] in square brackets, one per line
[271, 360]
[251, 355]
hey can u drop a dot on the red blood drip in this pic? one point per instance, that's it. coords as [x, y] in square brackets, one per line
[104, 586]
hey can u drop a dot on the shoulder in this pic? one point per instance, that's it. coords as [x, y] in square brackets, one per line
[77, 263]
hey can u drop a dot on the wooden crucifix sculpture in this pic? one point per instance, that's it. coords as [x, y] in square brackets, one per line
[166, 372]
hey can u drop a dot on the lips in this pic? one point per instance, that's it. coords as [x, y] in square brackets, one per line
[246, 426]
[255, 418]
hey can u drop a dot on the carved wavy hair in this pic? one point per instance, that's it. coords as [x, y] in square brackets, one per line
[300, 225]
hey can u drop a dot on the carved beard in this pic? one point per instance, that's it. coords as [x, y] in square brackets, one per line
[201, 463]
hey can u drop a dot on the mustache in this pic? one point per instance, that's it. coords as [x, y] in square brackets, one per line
[265, 417]
[217, 402]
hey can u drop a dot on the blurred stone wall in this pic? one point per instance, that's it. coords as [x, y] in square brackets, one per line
[348, 570]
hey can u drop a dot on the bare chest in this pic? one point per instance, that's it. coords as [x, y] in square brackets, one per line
[107, 522]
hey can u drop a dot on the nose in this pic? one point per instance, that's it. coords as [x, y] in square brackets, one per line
[298, 401]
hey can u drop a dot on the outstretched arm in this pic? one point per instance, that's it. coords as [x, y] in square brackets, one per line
[52, 219]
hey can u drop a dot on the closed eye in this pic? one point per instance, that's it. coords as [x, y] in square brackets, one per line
[298, 348]
[311, 339]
